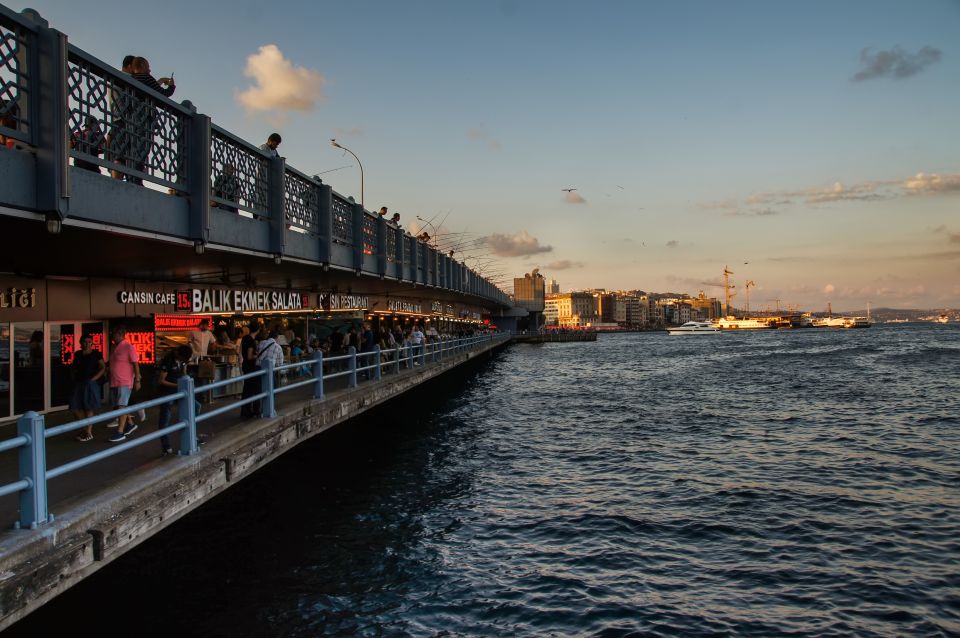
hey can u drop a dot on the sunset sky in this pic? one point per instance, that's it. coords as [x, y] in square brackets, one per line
[814, 147]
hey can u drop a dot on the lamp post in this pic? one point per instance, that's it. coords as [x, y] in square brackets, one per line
[334, 143]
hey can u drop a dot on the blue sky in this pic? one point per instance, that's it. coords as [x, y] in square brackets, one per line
[698, 134]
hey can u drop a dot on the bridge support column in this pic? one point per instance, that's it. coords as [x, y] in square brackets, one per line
[318, 375]
[268, 406]
[352, 378]
[376, 361]
[188, 414]
[198, 176]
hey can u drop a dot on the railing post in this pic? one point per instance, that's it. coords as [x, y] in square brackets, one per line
[376, 362]
[423, 351]
[396, 359]
[33, 467]
[409, 356]
[268, 404]
[415, 261]
[352, 379]
[198, 174]
[358, 216]
[276, 204]
[325, 223]
[49, 132]
[382, 231]
[188, 414]
[318, 374]
[398, 251]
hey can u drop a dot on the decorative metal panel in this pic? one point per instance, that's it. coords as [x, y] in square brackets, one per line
[342, 221]
[391, 244]
[144, 136]
[15, 75]
[239, 175]
[369, 234]
[301, 203]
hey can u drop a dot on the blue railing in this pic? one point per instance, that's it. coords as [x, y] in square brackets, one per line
[60, 103]
[30, 442]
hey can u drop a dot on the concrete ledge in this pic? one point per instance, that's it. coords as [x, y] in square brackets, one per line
[91, 531]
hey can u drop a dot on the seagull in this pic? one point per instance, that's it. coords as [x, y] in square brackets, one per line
[619, 186]
[568, 190]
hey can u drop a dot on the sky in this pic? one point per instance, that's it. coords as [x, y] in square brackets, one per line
[812, 147]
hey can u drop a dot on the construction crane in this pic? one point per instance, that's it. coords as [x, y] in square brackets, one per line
[727, 287]
[747, 285]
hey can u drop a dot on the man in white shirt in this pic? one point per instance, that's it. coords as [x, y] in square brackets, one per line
[416, 337]
[201, 339]
[270, 146]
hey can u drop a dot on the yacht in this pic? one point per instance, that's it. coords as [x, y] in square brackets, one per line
[694, 327]
[732, 323]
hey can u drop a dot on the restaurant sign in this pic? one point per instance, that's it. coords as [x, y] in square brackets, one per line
[224, 300]
[18, 298]
[397, 305]
[334, 301]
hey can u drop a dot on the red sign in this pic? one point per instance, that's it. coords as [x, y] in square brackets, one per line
[178, 323]
[185, 300]
[142, 342]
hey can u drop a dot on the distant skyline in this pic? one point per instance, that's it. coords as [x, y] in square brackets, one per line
[811, 147]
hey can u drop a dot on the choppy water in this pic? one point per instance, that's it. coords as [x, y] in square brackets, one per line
[801, 483]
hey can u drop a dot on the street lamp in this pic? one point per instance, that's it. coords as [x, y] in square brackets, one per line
[334, 143]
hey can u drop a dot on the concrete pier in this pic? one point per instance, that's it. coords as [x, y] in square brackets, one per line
[95, 525]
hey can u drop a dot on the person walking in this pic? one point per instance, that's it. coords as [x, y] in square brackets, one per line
[171, 368]
[248, 364]
[124, 380]
[87, 368]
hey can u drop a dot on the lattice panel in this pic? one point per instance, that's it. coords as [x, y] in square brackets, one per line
[391, 244]
[369, 235]
[14, 82]
[145, 136]
[241, 170]
[301, 203]
[342, 221]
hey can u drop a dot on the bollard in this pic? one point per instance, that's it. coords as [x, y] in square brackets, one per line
[318, 374]
[188, 414]
[268, 404]
[33, 467]
[396, 358]
[353, 367]
[376, 362]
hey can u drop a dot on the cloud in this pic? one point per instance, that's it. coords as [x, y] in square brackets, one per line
[757, 212]
[934, 183]
[480, 135]
[573, 197]
[280, 86]
[517, 245]
[955, 238]
[563, 264]
[673, 243]
[829, 289]
[895, 63]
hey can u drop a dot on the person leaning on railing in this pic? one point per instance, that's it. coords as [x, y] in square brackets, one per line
[171, 368]
[144, 129]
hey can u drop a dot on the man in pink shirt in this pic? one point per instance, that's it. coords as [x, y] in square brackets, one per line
[124, 379]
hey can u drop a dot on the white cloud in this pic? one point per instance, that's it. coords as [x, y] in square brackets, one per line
[921, 183]
[829, 289]
[563, 264]
[279, 85]
[517, 245]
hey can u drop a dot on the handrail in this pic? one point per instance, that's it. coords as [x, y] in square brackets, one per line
[30, 440]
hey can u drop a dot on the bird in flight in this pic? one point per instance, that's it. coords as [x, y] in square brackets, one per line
[568, 190]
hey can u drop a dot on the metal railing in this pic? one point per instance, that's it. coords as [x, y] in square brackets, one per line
[30, 442]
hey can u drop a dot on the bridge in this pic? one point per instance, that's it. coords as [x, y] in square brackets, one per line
[122, 207]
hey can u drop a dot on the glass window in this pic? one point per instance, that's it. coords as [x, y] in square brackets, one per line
[28, 366]
[63, 343]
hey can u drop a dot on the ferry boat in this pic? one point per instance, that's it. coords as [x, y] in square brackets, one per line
[731, 323]
[694, 327]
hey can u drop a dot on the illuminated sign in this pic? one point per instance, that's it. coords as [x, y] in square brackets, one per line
[396, 305]
[344, 302]
[18, 298]
[222, 300]
[142, 342]
[178, 323]
[146, 296]
[438, 307]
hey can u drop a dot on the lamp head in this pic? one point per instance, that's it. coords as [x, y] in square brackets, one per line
[333, 142]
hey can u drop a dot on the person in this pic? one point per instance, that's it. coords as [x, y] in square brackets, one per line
[395, 220]
[383, 211]
[270, 146]
[35, 349]
[336, 342]
[88, 140]
[201, 339]
[251, 387]
[171, 368]
[146, 119]
[270, 349]
[87, 368]
[122, 106]
[367, 344]
[124, 380]
[416, 339]
[226, 187]
[424, 237]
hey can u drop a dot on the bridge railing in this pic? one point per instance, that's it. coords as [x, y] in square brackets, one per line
[32, 434]
[59, 102]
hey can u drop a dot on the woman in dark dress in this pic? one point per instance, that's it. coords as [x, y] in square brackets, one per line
[87, 368]
[248, 364]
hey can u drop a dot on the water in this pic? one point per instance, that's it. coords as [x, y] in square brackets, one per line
[791, 482]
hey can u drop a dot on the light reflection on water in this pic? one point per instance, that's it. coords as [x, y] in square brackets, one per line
[751, 484]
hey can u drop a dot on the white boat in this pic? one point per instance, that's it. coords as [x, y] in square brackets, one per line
[732, 323]
[694, 327]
